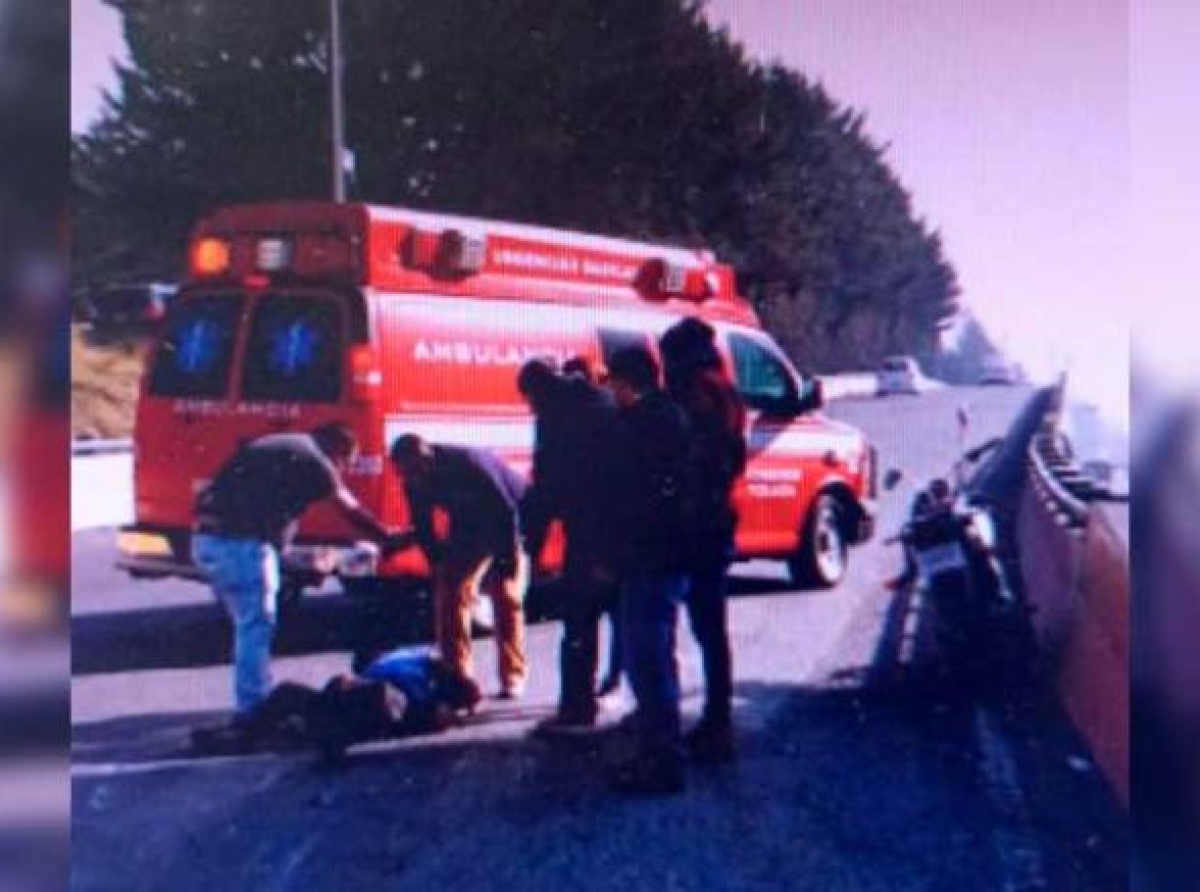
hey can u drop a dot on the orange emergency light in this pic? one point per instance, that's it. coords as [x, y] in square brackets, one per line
[210, 257]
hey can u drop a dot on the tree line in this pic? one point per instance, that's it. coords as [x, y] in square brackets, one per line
[633, 118]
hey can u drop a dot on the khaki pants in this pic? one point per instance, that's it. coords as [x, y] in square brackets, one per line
[457, 582]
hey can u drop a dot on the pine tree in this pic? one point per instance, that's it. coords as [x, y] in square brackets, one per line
[628, 117]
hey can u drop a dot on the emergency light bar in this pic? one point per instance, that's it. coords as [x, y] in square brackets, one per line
[258, 259]
[661, 280]
[273, 255]
[446, 253]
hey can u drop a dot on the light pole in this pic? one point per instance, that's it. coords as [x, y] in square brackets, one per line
[337, 132]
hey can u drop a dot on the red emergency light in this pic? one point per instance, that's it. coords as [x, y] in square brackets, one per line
[366, 378]
[659, 280]
[444, 254]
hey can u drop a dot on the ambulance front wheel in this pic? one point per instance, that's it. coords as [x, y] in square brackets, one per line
[820, 560]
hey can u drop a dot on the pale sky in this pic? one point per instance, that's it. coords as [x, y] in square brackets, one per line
[1008, 120]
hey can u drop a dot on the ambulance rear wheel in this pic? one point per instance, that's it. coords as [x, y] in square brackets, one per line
[821, 559]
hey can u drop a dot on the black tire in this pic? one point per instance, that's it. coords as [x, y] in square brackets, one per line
[822, 557]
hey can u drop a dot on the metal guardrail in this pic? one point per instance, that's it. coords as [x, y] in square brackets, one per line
[122, 446]
[1055, 478]
[1068, 508]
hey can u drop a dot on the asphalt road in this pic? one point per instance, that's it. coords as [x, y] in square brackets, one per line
[856, 771]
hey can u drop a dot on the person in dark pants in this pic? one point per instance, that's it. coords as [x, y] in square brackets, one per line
[584, 368]
[244, 519]
[482, 551]
[571, 483]
[697, 380]
[649, 446]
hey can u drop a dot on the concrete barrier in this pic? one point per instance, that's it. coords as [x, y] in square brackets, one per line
[101, 490]
[849, 386]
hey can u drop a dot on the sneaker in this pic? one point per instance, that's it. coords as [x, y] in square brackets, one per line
[710, 744]
[563, 725]
[609, 686]
[649, 777]
[514, 690]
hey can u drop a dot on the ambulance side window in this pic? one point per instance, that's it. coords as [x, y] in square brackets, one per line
[763, 379]
[613, 340]
[294, 353]
[196, 348]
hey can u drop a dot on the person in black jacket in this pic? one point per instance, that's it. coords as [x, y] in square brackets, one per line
[583, 367]
[697, 380]
[651, 492]
[570, 483]
[482, 550]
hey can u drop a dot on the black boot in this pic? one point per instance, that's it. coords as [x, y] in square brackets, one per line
[710, 743]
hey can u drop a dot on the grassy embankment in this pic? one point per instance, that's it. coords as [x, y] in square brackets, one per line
[104, 386]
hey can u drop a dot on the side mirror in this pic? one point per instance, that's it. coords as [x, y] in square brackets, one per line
[892, 479]
[790, 406]
[813, 397]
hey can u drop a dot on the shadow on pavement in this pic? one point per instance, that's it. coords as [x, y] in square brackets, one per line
[193, 635]
[200, 635]
[849, 786]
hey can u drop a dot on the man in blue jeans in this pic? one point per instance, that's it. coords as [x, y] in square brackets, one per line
[244, 518]
[651, 505]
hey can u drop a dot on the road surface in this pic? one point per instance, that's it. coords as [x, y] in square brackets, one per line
[855, 772]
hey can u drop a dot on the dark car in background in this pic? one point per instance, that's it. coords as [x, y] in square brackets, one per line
[126, 308]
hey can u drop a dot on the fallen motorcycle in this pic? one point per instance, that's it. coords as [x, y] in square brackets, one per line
[980, 628]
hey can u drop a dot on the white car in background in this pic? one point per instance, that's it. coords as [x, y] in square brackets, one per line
[1098, 446]
[899, 375]
[996, 372]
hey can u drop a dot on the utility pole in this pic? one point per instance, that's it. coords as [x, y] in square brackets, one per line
[337, 128]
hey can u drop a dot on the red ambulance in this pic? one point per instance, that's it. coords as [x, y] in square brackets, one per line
[295, 314]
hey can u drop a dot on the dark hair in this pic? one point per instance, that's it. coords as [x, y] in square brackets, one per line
[335, 438]
[922, 503]
[536, 377]
[690, 344]
[408, 447]
[939, 489]
[583, 367]
[635, 366]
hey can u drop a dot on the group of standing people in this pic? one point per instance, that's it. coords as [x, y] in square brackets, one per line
[641, 473]
[638, 466]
